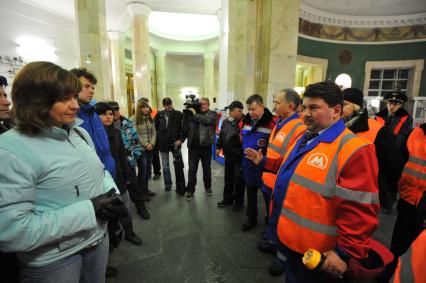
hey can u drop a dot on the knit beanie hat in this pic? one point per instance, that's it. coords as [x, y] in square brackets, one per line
[354, 95]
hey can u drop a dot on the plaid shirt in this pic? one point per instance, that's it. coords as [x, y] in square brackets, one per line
[131, 141]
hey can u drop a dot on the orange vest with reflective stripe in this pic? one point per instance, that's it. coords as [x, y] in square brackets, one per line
[411, 266]
[308, 213]
[279, 144]
[373, 128]
[398, 126]
[412, 184]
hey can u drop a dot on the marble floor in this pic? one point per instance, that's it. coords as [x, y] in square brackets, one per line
[195, 241]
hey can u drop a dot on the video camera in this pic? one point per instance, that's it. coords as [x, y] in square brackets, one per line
[192, 102]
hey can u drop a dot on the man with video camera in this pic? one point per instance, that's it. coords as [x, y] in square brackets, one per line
[198, 125]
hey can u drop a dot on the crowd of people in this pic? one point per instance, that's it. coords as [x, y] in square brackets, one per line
[71, 169]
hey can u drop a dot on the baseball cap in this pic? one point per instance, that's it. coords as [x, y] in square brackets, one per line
[235, 104]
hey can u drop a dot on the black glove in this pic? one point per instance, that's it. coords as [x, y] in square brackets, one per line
[109, 206]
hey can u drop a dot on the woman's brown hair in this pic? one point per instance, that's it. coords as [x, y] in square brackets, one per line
[139, 114]
[34, 91]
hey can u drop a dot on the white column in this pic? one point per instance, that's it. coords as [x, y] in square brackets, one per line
[224, 97]
[209, 77]
[119, 80]
[160, 69]
[140, 50]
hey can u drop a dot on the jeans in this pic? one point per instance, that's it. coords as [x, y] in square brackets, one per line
[178, 165]
[194, 155]
[88, 265]
[144, 165]
[234, 183]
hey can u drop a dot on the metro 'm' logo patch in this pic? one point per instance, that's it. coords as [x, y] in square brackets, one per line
[318, 160]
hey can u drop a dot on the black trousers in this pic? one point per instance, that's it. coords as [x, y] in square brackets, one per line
[135, 193]
[407, 227]
[234, 183]
[194, 155]
[156, 165]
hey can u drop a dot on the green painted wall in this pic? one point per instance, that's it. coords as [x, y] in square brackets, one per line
[361, 54]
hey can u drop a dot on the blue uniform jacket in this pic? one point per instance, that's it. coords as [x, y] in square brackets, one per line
[255, 137]
[93, 125]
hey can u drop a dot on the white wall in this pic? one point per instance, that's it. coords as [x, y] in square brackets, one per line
[183, 71]
[17, 18]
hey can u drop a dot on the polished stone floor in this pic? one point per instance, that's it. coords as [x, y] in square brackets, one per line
[195, 241]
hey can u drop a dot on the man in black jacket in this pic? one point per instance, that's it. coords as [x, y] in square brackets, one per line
[395, 117]
[168, 123]
[389, 159]
[230, 143]
[199, 128]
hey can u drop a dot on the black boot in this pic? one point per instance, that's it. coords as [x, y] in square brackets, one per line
[130, 235]
[276, 268]
[144, 213]
[250, 223]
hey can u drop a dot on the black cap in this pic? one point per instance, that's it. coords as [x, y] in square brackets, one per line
[354, 95]
[395, 96]
[167, 101]
[235, 104]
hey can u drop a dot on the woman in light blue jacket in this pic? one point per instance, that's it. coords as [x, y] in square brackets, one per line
[55, 196]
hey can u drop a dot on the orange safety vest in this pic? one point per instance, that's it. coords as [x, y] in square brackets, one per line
[279, 144]
[373, 129]
[308, 216]
[398, 126]
[411, 265]
[412, 184]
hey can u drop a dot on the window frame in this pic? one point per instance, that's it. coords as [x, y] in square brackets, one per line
[413, 83]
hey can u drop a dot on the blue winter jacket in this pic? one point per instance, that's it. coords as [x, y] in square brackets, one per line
[93, 125]
[47, 182]
[255, 137]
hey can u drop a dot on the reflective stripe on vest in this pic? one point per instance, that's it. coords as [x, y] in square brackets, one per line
[410, 267]
[307, 217]
[412, 184]
[398, 126]
[373, 129]
[277, 146]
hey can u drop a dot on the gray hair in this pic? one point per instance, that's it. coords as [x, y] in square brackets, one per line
[292, 97]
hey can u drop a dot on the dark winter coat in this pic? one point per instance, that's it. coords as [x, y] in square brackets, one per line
[207, 126]
[119, 153]
[388, 156]
[406, 127]
[168, 134]
[230, 140]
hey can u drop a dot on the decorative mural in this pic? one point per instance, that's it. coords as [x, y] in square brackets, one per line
[362, 34]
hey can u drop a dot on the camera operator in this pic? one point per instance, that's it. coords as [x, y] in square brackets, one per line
[198, 125]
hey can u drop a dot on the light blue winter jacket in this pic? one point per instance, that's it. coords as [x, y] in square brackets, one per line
[45, 186]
